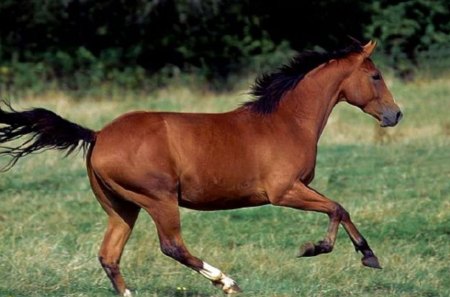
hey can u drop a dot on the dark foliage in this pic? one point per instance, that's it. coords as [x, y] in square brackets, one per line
[84, 43]
[73, 39]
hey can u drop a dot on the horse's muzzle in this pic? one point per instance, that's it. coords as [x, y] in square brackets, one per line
[391, 118]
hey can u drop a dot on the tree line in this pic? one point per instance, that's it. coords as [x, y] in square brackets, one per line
[82, 43]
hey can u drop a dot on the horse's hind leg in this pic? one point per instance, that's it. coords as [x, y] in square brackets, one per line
[120, 225]
[121, 218]
[302, 197]
[166, 216]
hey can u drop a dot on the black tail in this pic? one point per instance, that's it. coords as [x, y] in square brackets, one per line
[46, 130]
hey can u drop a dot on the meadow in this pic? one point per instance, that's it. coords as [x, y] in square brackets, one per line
[394, 182]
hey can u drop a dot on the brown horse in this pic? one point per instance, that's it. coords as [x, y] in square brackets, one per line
[264, 152]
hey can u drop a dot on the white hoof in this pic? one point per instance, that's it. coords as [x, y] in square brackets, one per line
[219, 279]
[127, 293]
[227, 285]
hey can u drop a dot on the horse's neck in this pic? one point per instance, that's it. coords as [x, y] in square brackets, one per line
[312, 100]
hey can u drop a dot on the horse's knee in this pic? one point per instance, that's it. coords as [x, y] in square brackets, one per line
[345, 216]
[339, 213]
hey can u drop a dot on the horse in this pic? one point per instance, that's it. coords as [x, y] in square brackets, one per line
[263, 152]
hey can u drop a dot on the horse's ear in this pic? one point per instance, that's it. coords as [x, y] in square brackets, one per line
[368, 48]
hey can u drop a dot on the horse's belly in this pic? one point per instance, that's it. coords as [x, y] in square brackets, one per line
[220, 196]
[221, 203]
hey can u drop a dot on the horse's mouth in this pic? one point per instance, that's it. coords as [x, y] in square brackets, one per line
[384, 125]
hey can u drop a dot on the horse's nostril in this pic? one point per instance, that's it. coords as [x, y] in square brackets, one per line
[399, 116]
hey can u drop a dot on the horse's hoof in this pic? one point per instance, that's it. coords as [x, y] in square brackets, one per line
[307, 250]
[371, 261]
[232, 290]
[227, 285]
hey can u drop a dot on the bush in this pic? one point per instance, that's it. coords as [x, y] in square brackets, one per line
[407, 29]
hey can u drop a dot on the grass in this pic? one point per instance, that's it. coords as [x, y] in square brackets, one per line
[395, 184]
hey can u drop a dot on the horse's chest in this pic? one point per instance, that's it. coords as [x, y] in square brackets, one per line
[307, 171]
[308, 178]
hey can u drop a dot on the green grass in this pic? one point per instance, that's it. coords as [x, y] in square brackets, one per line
[395, 184]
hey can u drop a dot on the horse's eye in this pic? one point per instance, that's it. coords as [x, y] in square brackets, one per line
[376, 76]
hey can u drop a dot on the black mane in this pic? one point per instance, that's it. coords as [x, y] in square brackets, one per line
[269, 89]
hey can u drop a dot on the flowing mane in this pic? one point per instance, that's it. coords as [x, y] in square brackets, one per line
[269, 88]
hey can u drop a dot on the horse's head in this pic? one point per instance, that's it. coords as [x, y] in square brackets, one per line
[366, 89]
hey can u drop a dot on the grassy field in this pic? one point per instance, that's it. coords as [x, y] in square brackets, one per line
[395, 183]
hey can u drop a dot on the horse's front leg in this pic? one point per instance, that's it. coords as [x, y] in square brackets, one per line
[305, 198]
